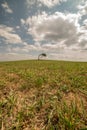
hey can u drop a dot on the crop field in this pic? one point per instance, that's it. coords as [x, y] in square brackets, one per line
[43, 95]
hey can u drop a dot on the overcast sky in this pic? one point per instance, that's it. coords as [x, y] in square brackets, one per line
[55, 27]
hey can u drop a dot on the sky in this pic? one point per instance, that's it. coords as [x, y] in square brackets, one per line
[55, 27]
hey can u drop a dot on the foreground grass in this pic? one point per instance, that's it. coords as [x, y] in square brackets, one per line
[43, 95]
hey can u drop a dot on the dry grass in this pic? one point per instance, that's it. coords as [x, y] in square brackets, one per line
[43, 95]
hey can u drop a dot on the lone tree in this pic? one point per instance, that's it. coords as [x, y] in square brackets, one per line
[41, 55]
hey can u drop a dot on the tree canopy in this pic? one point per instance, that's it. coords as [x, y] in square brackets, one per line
[41, 55]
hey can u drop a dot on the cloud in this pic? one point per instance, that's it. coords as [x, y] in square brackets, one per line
[54, 47]
[26, 48]
[83, 8]
[69, 55]
[17, 27]
[47, 3]
[57, 31]
[51, 3]
[83, 35]
[19, 53]
[9, 35]
[54, 28]
[22, 21]
[7, 8]
[14, 56]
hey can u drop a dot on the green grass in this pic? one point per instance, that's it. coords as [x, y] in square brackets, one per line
[43, 95]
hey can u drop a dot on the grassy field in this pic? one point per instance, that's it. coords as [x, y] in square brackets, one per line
[43, 95]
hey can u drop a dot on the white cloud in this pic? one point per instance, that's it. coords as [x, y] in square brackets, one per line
[54, 28]
[83, 35]
[51, 3]
[7, 8]
[9, 35]
[47, 3]
[17, 27]
[54, 47]
[25, 48]
[59, 33]
[69, 55]
[14, 56]
[22, 21]
[82, 43]
[30, 2]
[83, 8]
[17, 53]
